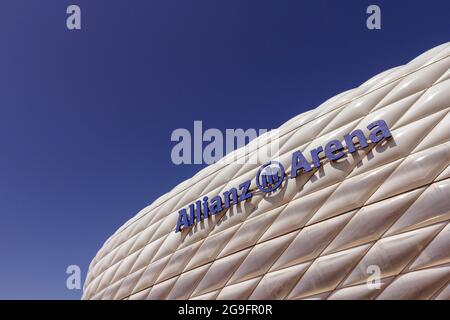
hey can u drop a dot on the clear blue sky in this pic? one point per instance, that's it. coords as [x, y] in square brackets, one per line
[86, 116]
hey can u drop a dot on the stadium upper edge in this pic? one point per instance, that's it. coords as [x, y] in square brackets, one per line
[382, 211]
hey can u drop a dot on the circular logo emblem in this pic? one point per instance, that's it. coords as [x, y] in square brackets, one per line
[270, 176]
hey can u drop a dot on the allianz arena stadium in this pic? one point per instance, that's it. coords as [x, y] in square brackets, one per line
[357, 207]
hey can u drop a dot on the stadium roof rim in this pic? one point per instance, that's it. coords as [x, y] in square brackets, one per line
[126, 225]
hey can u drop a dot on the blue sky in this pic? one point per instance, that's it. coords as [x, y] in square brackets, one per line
[86, 116]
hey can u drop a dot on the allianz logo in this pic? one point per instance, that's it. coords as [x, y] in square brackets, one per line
[270, 176]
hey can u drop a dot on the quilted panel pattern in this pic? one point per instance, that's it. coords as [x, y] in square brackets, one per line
[387, 205]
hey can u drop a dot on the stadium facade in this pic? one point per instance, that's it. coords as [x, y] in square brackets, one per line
[354, 205]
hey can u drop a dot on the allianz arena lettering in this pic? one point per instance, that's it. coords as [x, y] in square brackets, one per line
[270, 176]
